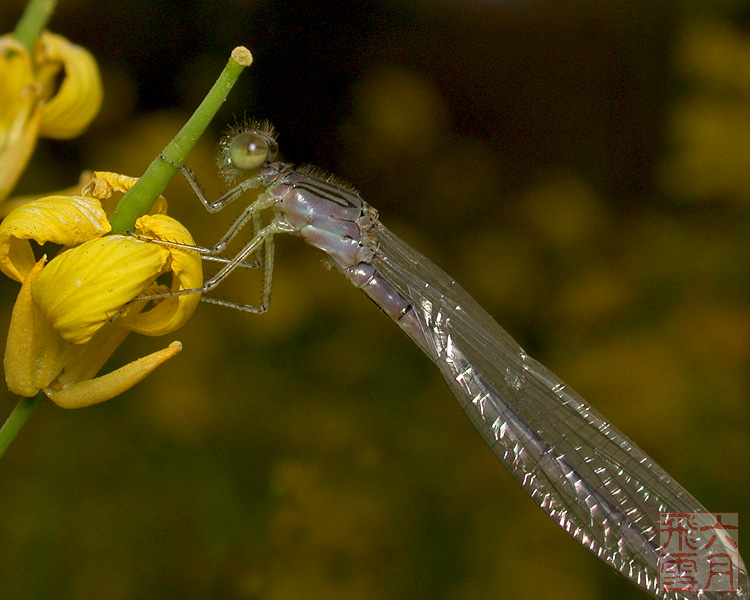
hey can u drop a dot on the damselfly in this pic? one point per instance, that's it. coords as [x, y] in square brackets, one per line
[584, 473]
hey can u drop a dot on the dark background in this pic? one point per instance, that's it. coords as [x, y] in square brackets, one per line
[582, 168]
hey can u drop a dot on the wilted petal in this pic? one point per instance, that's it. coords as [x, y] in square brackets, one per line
[63, 220]
[104, 184]
[79, 96]
[93, 391]
[85, 287]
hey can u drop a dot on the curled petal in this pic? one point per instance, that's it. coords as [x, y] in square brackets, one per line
[63, 220]
[79, 96]
[93, 391]
[187, 273]
[85, 287]
[117, 182]
[104, 184]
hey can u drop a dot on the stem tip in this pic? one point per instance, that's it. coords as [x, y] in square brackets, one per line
[242, 56]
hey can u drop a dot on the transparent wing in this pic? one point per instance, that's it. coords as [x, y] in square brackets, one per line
[584, 473]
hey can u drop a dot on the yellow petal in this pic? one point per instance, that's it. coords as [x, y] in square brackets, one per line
[63, 220]
[93, 391]
[187, 273]
[79, 96]
[34, 354]
[20, 112]
[16, 201]
[17, 73]
[19, 146]
[104, 184]
[20, 351]
[85, 287]
[92, 356]
[117, 182]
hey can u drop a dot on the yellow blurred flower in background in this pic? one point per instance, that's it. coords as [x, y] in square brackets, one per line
[73, 312]
[35, 102]
[710, 121]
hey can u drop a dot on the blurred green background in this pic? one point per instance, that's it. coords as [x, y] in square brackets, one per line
[581, 168]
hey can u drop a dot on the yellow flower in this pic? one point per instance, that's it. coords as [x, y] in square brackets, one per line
[73, 312]
[35, 102]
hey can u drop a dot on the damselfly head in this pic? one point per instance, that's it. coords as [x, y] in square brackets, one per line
[245, 148]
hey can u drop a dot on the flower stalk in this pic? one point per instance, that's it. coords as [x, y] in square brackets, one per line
[139, 199]
[34, 20]
[16, 420]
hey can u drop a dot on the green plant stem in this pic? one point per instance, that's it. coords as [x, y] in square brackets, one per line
[17, 418]
[139, 199]
[33, 21]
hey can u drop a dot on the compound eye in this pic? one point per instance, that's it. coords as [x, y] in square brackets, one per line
[248, 151]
